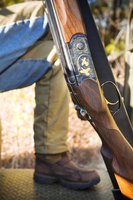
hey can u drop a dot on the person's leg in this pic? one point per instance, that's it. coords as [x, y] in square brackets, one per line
[51, 112]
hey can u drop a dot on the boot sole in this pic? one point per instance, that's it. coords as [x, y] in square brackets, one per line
[71, 185]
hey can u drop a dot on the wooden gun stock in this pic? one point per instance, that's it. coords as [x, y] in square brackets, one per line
[93, 100]
[91, 96]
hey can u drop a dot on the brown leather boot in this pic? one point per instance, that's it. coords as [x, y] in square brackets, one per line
[60, 168]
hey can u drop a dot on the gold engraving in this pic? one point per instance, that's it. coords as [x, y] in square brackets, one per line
[84, 62]
[85, 71]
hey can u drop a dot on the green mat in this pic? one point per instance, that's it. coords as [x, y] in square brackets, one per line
[18, 184]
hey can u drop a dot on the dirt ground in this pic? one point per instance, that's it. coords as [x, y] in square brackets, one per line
[16, 112]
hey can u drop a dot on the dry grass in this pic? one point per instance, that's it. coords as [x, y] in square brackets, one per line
[17, 133]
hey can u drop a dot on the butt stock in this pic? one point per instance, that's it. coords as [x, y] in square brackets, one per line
[70, 38]
[93, 101]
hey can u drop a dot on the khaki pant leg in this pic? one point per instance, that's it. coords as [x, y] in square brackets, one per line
[51, 112]
[52, 102]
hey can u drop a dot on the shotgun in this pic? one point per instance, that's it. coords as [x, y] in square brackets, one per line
[69, 35]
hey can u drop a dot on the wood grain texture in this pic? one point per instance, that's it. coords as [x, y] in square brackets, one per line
[93, 101]
[69, 18]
